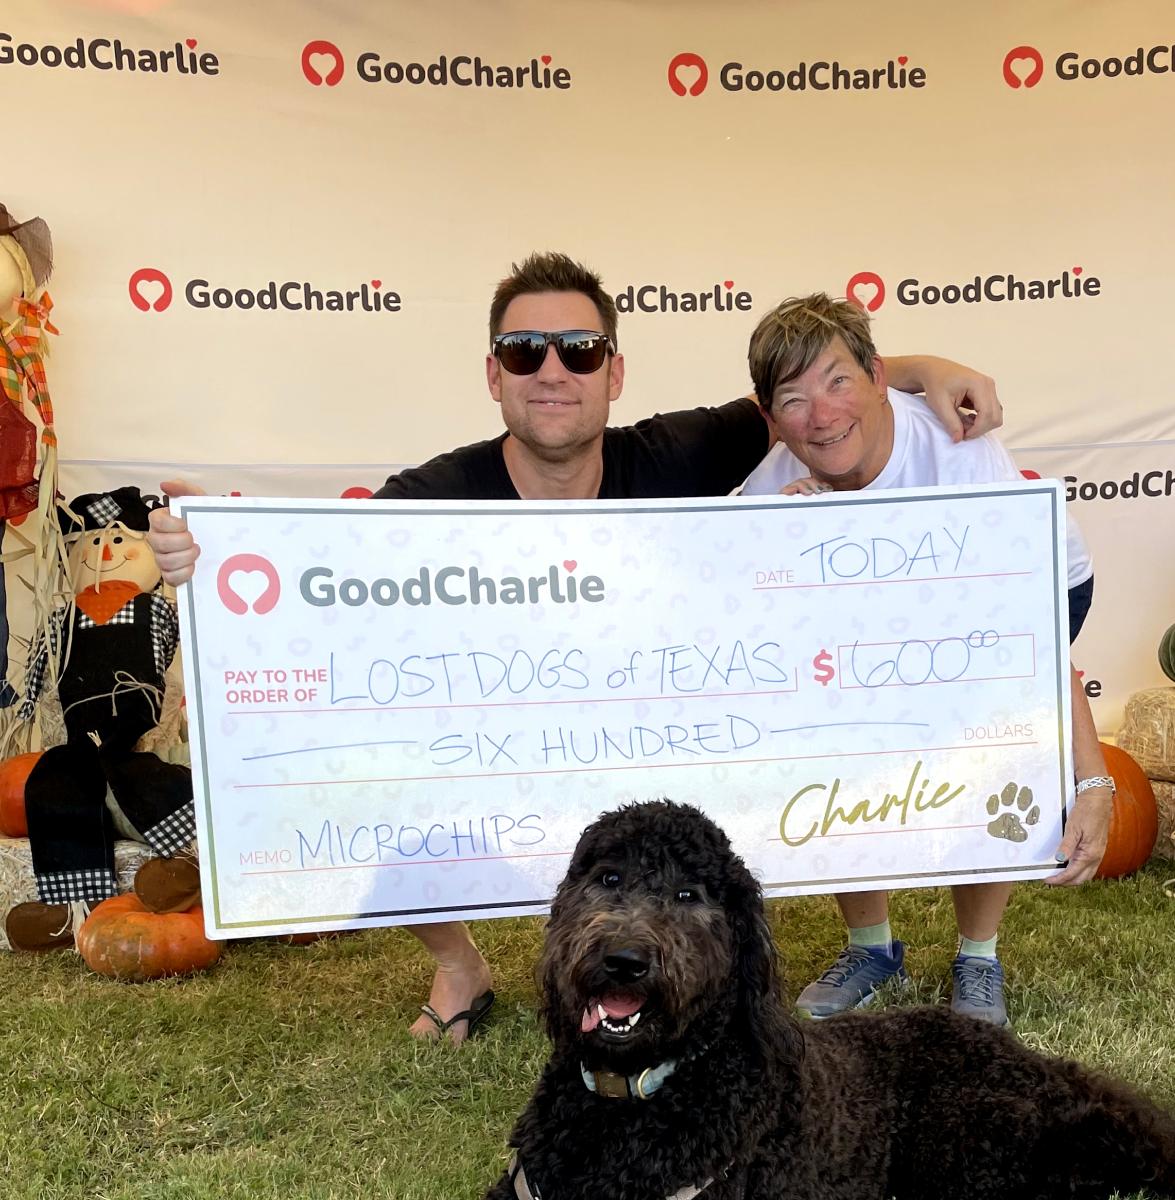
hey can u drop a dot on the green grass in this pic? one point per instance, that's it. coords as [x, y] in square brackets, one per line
[288, 1071]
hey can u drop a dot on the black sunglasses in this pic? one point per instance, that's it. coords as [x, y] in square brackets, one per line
[581, 351]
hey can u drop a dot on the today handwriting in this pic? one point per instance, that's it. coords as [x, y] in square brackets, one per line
[925, 554]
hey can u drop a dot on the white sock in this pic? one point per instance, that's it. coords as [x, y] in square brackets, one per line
[969, 948]
[872, 937]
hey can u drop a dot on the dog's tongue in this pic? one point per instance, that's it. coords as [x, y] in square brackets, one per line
[615, 1004]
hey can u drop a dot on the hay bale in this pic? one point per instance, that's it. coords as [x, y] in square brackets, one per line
[16, 873]
[1149, 733]
[1165, 799]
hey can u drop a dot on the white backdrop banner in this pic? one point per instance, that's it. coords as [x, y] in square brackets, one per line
[406, 710]
[278, 225]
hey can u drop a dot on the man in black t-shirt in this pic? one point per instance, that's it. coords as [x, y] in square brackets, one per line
[555, 370]
[696, 452]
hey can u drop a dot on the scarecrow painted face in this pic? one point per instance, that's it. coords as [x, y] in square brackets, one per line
[116, 552]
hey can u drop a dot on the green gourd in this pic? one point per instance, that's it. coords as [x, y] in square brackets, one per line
[1167, 653]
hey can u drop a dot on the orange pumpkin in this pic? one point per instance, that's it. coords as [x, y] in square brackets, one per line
[1134, 824]
[122, 939]
[14, 772]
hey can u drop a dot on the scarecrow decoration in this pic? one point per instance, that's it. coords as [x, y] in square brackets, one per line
[114, 644]
[26, 260]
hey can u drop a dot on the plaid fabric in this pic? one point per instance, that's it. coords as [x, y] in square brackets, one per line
[173, 834]
[165, 632]
[22, 360]
[34, 682]
[104, 510]
[66, 887]
[164, 639]
[10, 375]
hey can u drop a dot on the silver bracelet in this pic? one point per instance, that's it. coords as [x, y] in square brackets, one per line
[1096, 781]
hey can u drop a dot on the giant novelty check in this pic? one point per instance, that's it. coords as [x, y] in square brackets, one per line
[406, 712]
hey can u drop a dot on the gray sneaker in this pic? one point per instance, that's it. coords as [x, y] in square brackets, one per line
[852, 981]
[979, 989]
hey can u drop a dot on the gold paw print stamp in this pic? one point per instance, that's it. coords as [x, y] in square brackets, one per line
[1012, 804]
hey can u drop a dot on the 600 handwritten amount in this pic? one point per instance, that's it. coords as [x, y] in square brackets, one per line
[981, 654]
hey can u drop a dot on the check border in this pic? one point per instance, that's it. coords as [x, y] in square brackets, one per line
[375, 508]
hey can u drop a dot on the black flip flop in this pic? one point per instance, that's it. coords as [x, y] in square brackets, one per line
[473, 1015]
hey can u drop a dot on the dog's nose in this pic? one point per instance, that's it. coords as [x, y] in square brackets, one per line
[626, 965]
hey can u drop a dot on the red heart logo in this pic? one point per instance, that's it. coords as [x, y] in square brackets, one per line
[728, 284]
[377, 283]
[546, 60]
[1012, 72]
[903, 59]
[1076, 270]
[190, 43]
[696, 74]
[873, 299]
[262, 594]
[156, 300]
[569, 564]
[326, 55]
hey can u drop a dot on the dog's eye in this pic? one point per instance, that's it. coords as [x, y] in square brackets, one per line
[610, 879]
[688, 895]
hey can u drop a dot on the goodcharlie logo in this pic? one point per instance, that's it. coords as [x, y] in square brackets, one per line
[110, 54]
[688, 74]
[451, 585]
[323, 62]
[867, 290]
[151, 289]
[660, 297]
[1024, 65]
[1152, 484]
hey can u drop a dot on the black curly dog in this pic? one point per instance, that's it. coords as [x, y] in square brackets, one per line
[677, 1071]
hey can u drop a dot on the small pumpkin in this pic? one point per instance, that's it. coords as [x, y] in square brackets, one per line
[1134, 823]
[1167, 653]
[124, 940]
[14, 773]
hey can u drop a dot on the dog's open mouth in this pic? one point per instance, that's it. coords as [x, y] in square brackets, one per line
[616, 1013]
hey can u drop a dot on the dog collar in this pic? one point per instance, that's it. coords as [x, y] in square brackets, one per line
[628, 1087]
[524, 1190]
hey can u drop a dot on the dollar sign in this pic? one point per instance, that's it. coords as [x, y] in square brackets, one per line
[824, 668]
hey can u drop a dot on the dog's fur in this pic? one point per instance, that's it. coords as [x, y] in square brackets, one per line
[916, 1103]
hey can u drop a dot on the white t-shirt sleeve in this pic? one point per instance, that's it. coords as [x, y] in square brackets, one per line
[778, 468]
[997, 458]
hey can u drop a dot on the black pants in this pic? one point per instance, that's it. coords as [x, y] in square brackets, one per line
[71, 829]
